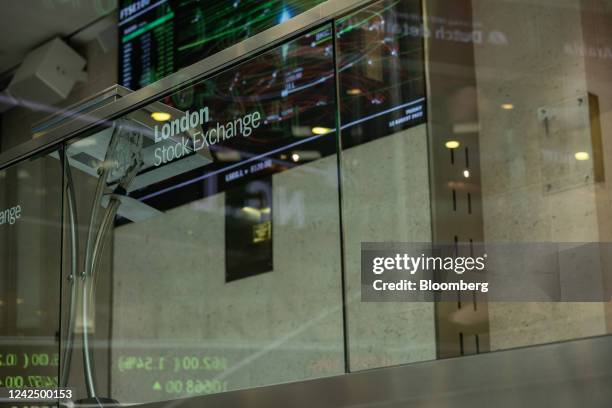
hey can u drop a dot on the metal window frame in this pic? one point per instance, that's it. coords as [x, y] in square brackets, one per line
[318, 15]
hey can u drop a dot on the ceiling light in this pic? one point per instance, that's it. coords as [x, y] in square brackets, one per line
[452, 144]
[295, 157]
[161, 116]
[507, 106]
[252, 211]
[582, 156]
[320, 130]
[353, 91]
[466, 173]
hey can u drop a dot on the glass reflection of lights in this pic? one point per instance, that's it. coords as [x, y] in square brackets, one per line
[452, 144]
[161, 116]
[582, 156]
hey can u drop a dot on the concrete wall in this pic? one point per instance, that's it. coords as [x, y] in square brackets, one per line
[532, 70]
[597, 51]
[170, 290]
[385, 194]
[170, 297]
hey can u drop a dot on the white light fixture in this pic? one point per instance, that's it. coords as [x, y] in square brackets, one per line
[466, 173]
[582, 156]
[252, 211]
[295, 157]
[452, 144]
[320, 130]
[161, 116]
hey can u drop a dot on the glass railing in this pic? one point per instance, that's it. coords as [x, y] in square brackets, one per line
[30, 272]
[212, 240]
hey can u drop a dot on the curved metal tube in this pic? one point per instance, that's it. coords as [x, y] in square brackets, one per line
[87, 360]
[101, 241]
[90, 247]
[74, 267]
[96, 240]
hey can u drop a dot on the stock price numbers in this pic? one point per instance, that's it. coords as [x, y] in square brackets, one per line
[175, 364]
[33, 362]
[177, 375]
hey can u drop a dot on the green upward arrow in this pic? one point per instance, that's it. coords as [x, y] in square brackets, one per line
[157, 386]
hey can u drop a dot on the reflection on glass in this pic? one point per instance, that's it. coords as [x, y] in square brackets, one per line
[160, 38]
[216, 226]
[30, 261]
[384, 161]
[381, 71]
[540, 113]
[205, 226]
[514, 153]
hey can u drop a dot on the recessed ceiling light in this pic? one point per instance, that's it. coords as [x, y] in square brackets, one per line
[320, 130]
[295, 157]
[252, 211]
[582, 156]
[452, 144]
[161, 116]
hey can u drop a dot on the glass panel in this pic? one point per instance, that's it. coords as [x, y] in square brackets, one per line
[30, 258]
[385, 181]
[205, 227]
[512, 163]
[219, 209]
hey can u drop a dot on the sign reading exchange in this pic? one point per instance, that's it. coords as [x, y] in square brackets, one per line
[10, 215]
[530, 272]
[217, 133]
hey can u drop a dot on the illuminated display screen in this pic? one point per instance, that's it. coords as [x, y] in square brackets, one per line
[158, 38]
[170, 373]
[291, 91]
[29, 366]
[382, 78]
[212, 367]
[380, 57]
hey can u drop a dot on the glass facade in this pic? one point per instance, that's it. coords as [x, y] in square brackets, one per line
[211, 240]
